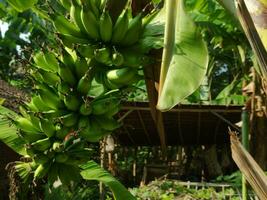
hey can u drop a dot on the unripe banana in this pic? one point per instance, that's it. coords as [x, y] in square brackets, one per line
[66, 74]
[72, 102]
[66, 4]
[122, 75]
[110, 85]
[58, 146]
[26, 125]
[134, 30]
[87, 51]
[108, 124]
[70, 40]
[31, 137]
[102, 106]
[41, 62]
[105, 26]
[92, 4]
[50, 78]
[132, 59]
[83, 122]
[117, 59]
[63, 26]
[90, 22]
[61, 134]
[81, 67]
[61, 157]
[42, 145]
[75, 14]
[120, 27]
[42, 170]
[51, 61]
[70, 119]
[85, 109]
[40, 158]
[49, 97]
[47, 127]
[103, 55]
[84, 84]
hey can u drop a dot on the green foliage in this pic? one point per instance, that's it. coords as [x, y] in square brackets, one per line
[8, 133]
[171, 190]
[184, 61]
[92, 171]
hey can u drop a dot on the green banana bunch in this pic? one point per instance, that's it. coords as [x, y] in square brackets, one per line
[72, 102]
[37, 104]
[85, 109]
[42, 145]
[90, 22]
[117, 59]
[92, 5]
[49, 77]
[106, 123]
[75, 15]
[61, 157]
[93, 132]
[70, 41]
[66, 74]
[120, 27]
[46, 62]
[87, 51]
[134, 30]
[26, 125]
[110, 85]
[132, 59]
[69, 120]
[57, 146]
[100, 107]
[105, 26]
[84, 84]
[103, 55]
[63, 26]
[66, 4]
[42, 170]
[40, 158]
[81, 67]
[83, 122]
[121, 76]
[24, 170]
[47, 127]
[49, 97]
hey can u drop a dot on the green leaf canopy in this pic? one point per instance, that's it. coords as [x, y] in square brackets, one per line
[8, 133]
[22, 5]
[92, 171]
[185, 58]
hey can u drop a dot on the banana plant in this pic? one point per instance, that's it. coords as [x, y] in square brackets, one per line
[185, 57]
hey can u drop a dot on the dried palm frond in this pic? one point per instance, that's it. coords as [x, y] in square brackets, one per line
[253, 36]
[248, 166]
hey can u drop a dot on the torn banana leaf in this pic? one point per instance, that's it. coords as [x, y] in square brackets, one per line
[185, 57]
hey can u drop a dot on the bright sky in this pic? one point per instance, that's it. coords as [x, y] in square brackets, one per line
[3, 27]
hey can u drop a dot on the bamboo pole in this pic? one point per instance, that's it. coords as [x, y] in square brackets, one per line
[245, 140]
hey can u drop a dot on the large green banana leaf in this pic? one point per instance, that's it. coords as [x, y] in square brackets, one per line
[92, 171]
[21, 5]
[8, 132]
[185, 57]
